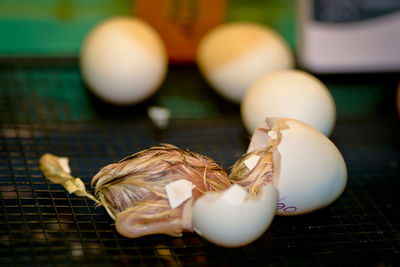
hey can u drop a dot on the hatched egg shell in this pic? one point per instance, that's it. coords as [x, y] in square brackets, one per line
[290, 94]
[233, 55]
[234, 218]
[123, 60]
[310, 172]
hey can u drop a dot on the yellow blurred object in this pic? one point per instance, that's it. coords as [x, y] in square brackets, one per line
[181, 23]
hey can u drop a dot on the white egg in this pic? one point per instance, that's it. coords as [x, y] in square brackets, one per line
[291, 94]
[123, 60]
[309, 170]
[233, 217]
[232, 56]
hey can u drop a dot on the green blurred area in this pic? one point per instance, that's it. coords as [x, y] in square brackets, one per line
[51, 28]
[57, 28]
[54, 28]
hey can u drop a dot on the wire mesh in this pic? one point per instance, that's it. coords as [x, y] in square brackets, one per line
[48, 109]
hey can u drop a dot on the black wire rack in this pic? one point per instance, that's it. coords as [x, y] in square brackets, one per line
[45, 107]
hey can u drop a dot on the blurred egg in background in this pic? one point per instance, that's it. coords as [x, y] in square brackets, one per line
[232, 56]
[123, 60]
[291, 94]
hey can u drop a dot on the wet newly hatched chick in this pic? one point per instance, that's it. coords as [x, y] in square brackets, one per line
[133, 191]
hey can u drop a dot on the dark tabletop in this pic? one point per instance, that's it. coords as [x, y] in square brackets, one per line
[45, 107]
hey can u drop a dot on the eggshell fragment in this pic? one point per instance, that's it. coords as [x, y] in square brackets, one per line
[234, 217]
[179, 191]
[291, 94]
[123, 60]
[309, 170]
[159, 116]
[252, 162]
[232, 56]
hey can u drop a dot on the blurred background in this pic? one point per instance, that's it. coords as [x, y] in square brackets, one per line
[57, 28]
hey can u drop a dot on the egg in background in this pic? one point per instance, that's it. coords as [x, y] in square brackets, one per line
[291, 94]
[233, 55]
[123, 60]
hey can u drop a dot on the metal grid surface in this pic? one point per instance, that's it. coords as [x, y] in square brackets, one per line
[48, 109]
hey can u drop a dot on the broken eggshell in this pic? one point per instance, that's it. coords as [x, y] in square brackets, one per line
[234, 217]
[308, 169]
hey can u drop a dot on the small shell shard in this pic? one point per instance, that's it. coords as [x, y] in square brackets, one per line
[159, 116]
[272, 134]
[258, 139]
[251, 162]
[178, 192]
[268, 134]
